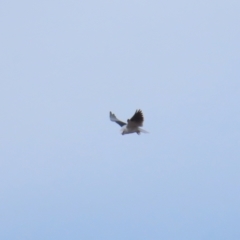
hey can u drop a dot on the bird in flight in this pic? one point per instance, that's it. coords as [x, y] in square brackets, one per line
[133, 124]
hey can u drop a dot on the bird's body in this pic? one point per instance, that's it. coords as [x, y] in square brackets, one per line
[132, 125]
[126, 130]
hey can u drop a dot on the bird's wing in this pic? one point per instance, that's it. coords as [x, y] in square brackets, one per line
[136, 120]
[114, 119]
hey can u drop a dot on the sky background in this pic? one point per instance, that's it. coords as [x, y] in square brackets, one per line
[66, 172]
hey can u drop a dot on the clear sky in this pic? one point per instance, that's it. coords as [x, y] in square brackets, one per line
[66, 172]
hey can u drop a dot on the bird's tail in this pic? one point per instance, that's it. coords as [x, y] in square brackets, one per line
[143, 131]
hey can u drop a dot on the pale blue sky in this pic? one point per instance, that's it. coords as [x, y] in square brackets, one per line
[66, 171]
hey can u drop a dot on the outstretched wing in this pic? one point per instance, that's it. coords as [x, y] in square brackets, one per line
[114, 119]
[136, 120]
